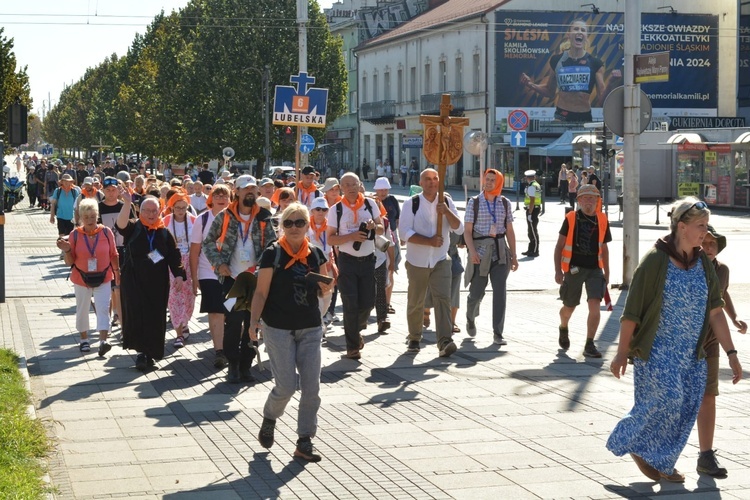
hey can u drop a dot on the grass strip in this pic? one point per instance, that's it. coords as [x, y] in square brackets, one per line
[23, 441]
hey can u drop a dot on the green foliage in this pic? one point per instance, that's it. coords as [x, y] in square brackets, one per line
[14, 83]
[22, 440]
[192, 84]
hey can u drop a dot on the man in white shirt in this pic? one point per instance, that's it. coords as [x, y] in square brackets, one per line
[198, 199]
[351, 222]
[427, 263]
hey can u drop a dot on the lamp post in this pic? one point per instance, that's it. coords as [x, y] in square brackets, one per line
[265, 77]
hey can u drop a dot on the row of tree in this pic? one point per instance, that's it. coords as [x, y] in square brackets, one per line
[187, 88]
[14, 82]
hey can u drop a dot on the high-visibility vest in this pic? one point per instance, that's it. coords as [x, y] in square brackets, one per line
[537, 198]
[567, 251]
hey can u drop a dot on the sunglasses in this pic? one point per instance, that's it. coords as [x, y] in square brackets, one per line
[110, 182]
[300, 223]
[321, 210]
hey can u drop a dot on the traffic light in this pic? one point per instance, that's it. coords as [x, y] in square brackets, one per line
[601, 146]
[288, 137]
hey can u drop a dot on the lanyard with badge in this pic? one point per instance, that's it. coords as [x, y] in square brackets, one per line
[182, 242]
[492, 211]
[92, 265]
[244, 235]
[153, 253]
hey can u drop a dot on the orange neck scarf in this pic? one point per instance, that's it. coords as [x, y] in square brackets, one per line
[356, 206]
[66, 188]
[304, 194]
[299, 256]
[233, 208]
[332, 203]
[499, 181]
[318, 230]
[93, 193]
[159, 224]
[83, 231]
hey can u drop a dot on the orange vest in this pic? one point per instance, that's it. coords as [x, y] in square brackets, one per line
[567, 251]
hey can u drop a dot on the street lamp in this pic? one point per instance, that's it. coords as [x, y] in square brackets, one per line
[265, 77]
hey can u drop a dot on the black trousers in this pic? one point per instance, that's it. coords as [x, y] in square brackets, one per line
[236, 331]
[532, 231]
[357, 290]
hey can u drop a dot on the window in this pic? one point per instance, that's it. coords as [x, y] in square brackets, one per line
[442, 76]
[427, 78]
[352, 101]
[413, 84]
[374, 87]
[459, 74]
[364, 87]
[387, 85]
[400, 85]
[477, 73]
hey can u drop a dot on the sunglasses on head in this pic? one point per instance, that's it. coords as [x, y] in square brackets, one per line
[110, 182]
[701, 205]
[296, 223]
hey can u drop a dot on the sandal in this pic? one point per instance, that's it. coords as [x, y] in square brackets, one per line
[84, 347]
[391, 310]
[179, 342]
[456, 328]
[426, 319]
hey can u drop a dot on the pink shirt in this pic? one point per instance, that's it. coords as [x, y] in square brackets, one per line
[104, 250]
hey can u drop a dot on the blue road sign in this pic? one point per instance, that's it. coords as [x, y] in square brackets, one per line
[304, 106]
[518, 139]
[619, 141]
[518, 119]
[306, 143]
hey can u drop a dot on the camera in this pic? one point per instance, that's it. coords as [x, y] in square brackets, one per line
[363, 229]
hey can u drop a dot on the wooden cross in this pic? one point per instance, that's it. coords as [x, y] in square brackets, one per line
[443, 143]
[100, 147]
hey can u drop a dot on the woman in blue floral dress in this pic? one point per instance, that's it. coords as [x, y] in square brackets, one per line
[673, 298]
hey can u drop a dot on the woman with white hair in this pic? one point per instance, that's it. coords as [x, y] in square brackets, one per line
[150, 253]
[91, 252]
[674, 298]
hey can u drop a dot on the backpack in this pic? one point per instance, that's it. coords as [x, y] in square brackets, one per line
[415, 204]
[277, 255]
[506, 204]
[340, 212]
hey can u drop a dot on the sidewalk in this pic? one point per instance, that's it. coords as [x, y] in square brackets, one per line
[522, 421]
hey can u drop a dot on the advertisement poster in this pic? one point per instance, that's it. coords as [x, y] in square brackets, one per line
[561, 65]
[744, 62]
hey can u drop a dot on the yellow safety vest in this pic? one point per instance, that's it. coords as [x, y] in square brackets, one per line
[537, 198]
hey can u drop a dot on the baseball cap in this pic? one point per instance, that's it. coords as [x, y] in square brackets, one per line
[264, 181]
[588, 190]
[330, 183]
[244, 181]
[87, 180]
[308, 170]
[263, 202]
[319, 202]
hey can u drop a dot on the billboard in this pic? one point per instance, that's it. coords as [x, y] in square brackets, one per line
[743, 62]
[562, 65]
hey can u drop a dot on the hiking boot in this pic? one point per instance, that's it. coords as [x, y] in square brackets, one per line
[245, 373]
[499, 340]
[471, 327]
[352, 354]
[383, 326]
[220, 361]
[233, 372]
[104, 348]
[84, 346]
[265, 436]
[709, 464]
[305, 450]
[413, 346]
[448, 349]
[563, 340]
[590, 350]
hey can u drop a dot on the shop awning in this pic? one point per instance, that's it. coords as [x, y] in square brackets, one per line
[743, 138]
[683, 137]
[559, 147]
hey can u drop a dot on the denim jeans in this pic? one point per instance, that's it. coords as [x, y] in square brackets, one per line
[498, 276]
[292, 352]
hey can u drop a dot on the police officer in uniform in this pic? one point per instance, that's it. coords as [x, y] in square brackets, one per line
[533, 204]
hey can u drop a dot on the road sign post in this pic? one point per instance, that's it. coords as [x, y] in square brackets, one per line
[518, 139]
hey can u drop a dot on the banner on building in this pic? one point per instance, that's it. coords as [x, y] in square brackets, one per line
[562, 65]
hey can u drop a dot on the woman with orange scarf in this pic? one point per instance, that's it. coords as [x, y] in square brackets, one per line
[286, 298]
[150, 253]
[91, 252]
[179, 222]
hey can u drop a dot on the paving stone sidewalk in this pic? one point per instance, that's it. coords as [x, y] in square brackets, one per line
[522, 421]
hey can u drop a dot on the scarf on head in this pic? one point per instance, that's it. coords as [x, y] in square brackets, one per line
[668, 246]
[355, 206]
[499, 181]
[233, 208]
[177, 197]
[304, 194]
[299, 256]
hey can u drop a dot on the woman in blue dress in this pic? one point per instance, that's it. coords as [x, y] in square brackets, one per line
[674, 297]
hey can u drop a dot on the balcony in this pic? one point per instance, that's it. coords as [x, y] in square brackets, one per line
[430, 103]
[378, 112]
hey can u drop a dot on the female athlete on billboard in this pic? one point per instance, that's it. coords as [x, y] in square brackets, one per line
[576, 74]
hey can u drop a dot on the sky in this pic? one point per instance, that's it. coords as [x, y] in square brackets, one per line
[58, 40]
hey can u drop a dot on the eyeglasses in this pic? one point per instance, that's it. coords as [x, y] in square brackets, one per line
[110, 182]
[321, 209]
[300, 223]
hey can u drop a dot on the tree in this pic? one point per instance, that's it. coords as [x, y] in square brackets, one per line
[14, 83]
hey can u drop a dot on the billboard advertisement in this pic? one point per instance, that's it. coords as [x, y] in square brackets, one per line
[744, 62]
[562, 65]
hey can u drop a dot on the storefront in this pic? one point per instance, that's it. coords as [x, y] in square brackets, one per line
[714, 172]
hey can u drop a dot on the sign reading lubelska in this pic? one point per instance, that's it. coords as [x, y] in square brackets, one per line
[301, 107]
